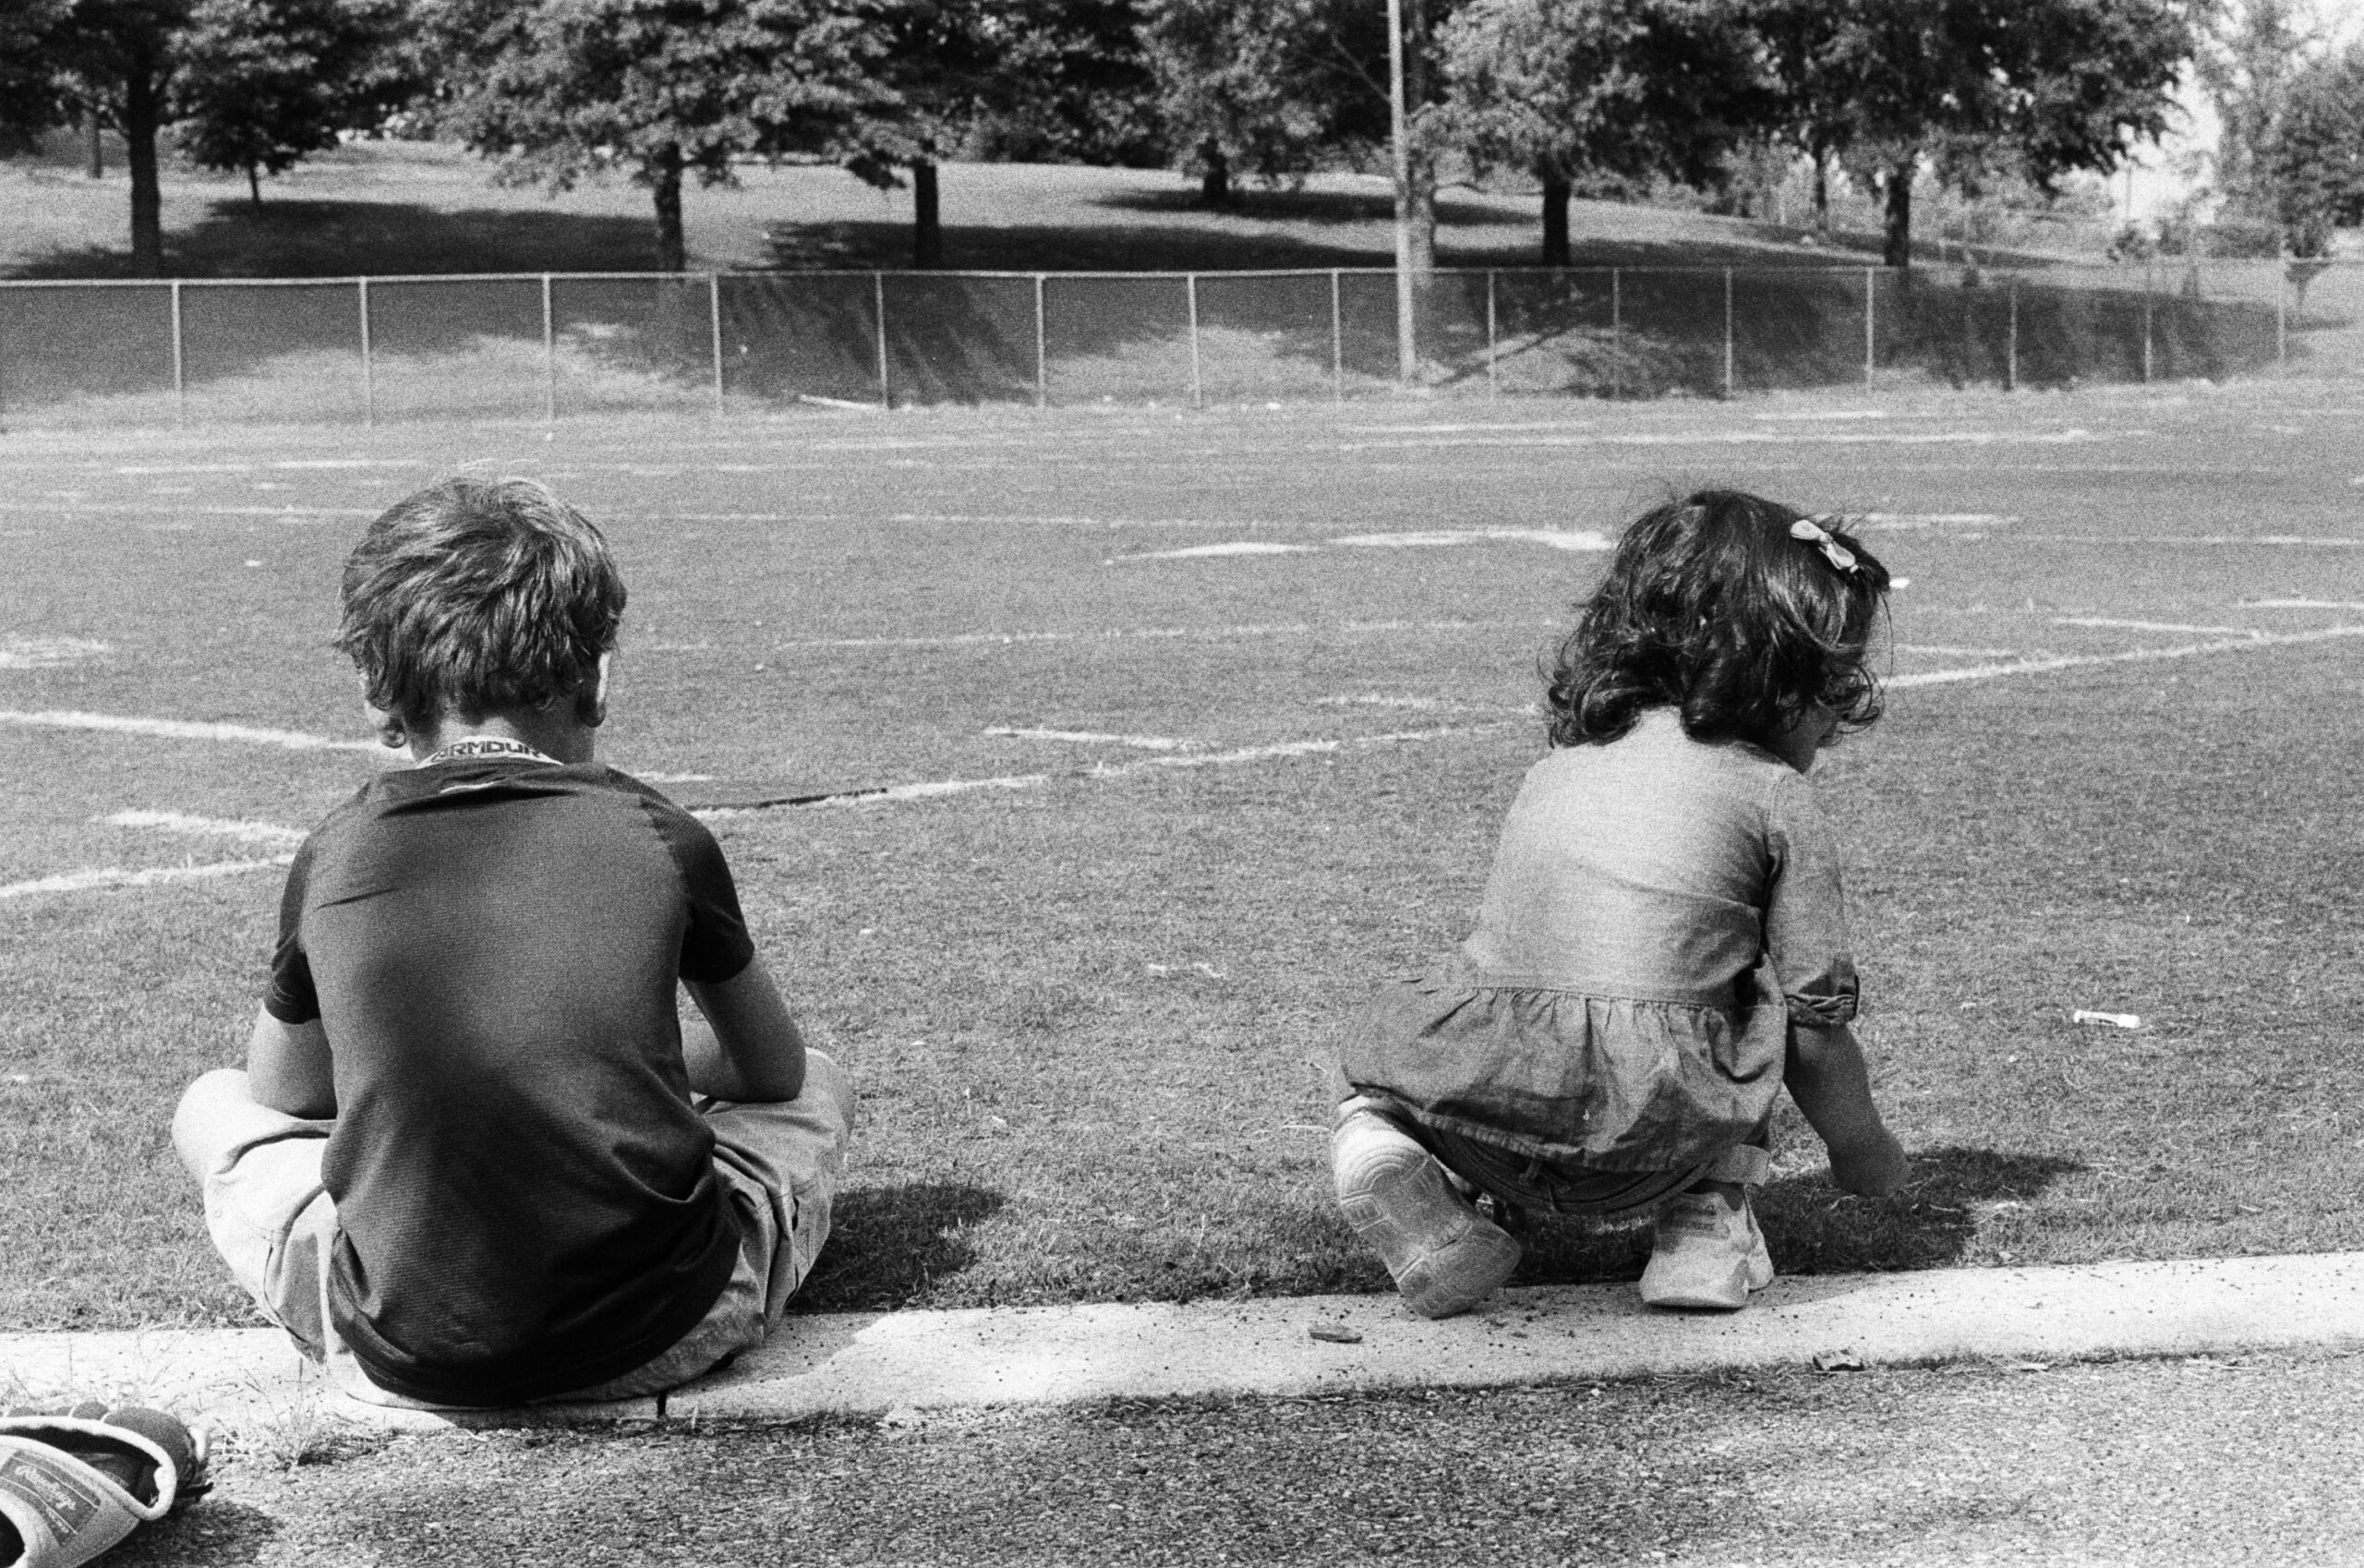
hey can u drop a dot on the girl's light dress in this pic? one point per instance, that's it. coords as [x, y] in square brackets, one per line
[1660, 909]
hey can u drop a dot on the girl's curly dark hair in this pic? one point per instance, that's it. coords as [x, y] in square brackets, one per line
[1713, 608]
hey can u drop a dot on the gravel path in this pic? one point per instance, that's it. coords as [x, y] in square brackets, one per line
[2180, 1462]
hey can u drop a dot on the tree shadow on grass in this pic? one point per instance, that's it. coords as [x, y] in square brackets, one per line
[1811, 1228]
[887, 1245]
[307, 239]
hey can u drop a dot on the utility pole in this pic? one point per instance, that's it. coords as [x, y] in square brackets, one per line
[1408, 344]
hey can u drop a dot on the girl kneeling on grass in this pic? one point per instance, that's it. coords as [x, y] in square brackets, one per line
[1663, 944]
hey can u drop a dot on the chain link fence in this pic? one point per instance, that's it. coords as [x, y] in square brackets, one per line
[545, 346]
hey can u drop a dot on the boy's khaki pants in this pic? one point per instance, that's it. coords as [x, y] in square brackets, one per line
[275, 1225]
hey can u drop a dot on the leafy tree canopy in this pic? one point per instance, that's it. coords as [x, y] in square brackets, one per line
[2040, 87]
[2315, 159]
[1269, 88]
[264, 82]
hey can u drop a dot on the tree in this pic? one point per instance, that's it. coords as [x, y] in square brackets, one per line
[659, 90]
[2313, 160]
[119, 56]
[1598, 95]
[29, 89]
[2249, 53]
[1268, 87]
[267, 81]
[2043, 86]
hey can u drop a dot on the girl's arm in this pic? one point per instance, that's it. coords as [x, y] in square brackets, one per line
[1828, 1078]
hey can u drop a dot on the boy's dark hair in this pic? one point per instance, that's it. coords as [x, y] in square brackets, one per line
[1712, 607]
[475, 595]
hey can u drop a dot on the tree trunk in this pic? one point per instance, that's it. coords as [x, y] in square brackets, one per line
[1555, 220]
[672, 252]
[1214, 174]
[142, 107]
[98, 143]
[254, 185]
[1421, 197]
[1821, 188]
[1897, 251]
[927, 218]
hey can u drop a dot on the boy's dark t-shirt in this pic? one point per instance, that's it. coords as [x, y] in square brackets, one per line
[527, 1197]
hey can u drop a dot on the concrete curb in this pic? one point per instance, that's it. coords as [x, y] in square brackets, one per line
[874, 1363]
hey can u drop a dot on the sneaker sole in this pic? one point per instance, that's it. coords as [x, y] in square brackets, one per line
[1442, 1270]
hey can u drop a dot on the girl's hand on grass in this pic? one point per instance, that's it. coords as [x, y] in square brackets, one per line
[1873, 1169]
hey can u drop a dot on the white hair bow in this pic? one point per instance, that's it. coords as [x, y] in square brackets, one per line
[1809, 530]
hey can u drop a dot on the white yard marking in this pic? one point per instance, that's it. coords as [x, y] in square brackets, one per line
[935, 789]
[1763, 438]
[1091, 738]
[2301, 604]
[1944, 651]
[2240, 541]
[2131, 656]
[291, 513]
[1162, 633]
[1555, 538]
[48, 653]
[674, 778]
[2157, 626]
[187, 730]
[1236, 546]
[1887, 521]
[269, 833]
[111, 876]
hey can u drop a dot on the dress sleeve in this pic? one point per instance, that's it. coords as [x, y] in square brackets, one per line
[714, 944]
[1805, 910]
[289, 996]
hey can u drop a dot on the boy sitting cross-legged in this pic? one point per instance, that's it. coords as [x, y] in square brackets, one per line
[476, 1157]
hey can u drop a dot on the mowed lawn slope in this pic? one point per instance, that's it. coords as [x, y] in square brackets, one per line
[1088, 1003]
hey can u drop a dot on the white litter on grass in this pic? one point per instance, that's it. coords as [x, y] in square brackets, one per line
[2131, 656]
[83, 881]
[1236, 547]
[187, 730]
[49, 653]
[269, 833]
[1090, 738]
[2156, 626]
[2116, 1021]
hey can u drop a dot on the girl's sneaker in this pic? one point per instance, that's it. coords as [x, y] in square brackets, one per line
[1707, 1252]
[1442, 1254]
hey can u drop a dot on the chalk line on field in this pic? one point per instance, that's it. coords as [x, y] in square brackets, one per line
[185, 730]
[1194, 552]
[49, 653]
[1090, 738]
[2156, 626]
[112, 876]
[1161, 634]
[1554, 538]
[938, 788]
[1944, 651]
[269, 833]
[2301, 604]
[2131, 656]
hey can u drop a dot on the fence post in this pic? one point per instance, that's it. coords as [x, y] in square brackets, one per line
[1042, 351]
[2011, 351]
[1198, 391]
[549, 354]
[1493, 375]
[1871, 341]
[1727, 331]
[1337, 343]
[180, 386]
[878, 297]
[2281, 315]
[714, 320]
[368, 363]
[1616, 336]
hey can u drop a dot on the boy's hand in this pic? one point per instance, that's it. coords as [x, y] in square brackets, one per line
[1873, 1169]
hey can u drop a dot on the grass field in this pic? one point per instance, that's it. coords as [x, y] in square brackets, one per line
[1163, 808]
